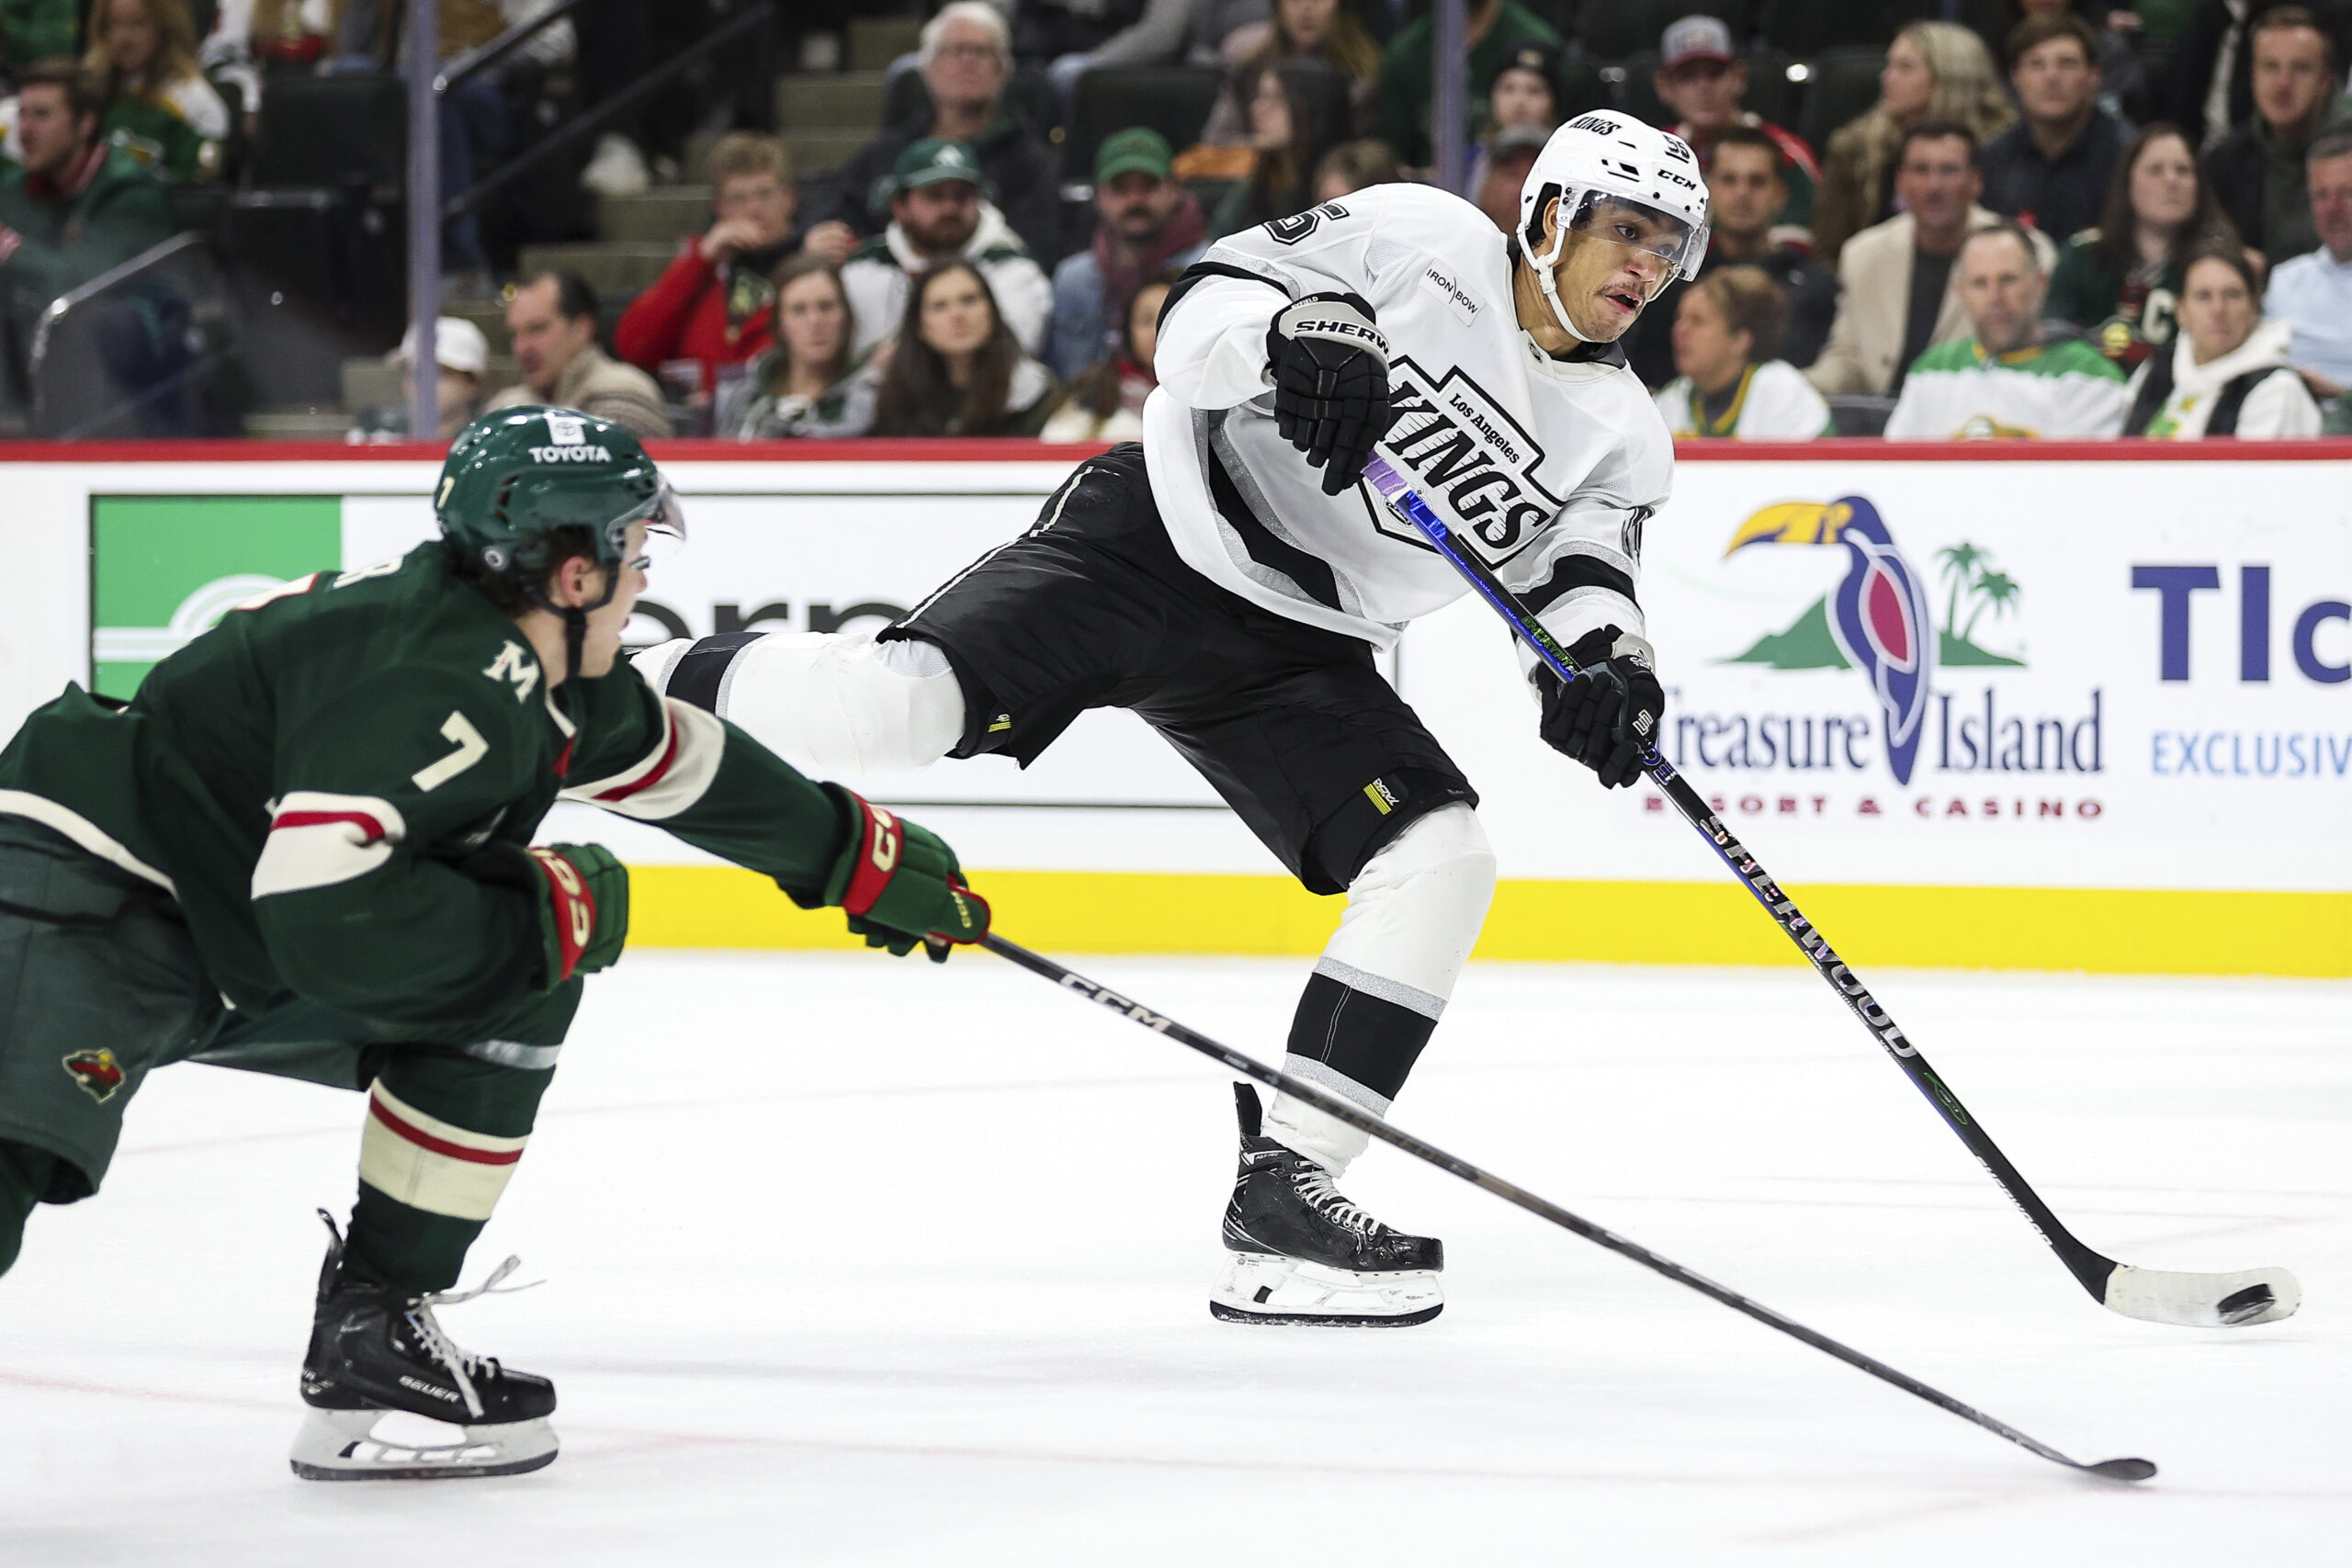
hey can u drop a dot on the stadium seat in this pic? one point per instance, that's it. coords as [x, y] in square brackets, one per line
[1810, 27]
[1583, 88]
[339, 131]
[1769, 91]
[1638, 95]
[1173, 100]
[1844, 85]
[1613, 29]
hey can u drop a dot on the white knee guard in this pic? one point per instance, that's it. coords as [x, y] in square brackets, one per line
[1413, 914]
[827, 703]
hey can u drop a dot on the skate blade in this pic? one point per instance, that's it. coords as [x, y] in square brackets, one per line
[1259, 1287]
[340, 1445]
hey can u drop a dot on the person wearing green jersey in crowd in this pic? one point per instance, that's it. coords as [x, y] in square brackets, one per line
[304, 847]
[159, 107]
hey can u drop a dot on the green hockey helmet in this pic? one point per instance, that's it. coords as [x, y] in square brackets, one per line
[513, 478]
[515, 475]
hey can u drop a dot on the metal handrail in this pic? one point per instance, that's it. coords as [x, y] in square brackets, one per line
[122, 271]
[483, 56]
[604, 114]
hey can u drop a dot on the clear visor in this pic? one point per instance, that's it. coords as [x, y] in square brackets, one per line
[1620, 219]
[665, 528]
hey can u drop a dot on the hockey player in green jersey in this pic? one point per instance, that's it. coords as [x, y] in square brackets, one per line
[304, 847]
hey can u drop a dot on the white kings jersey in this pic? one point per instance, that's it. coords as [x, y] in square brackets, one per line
[1547, 469]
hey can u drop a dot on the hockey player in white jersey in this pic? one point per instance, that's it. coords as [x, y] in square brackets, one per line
[1232, 594]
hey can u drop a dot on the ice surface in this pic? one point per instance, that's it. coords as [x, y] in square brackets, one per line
[851, 1260]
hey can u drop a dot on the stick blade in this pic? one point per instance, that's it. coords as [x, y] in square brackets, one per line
[2203, 1300]
[2123, 1469]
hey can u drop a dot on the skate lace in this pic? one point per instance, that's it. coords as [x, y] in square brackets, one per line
[1313, 1184]
[463, 1365]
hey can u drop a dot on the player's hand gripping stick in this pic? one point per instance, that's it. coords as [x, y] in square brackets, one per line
[2202, 1301]
[1355, 1116]
[899, 884]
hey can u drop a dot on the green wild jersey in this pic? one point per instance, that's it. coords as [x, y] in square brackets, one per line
[309, 777]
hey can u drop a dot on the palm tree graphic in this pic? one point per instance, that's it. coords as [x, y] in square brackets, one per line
[1994, 590]
[1959, 563]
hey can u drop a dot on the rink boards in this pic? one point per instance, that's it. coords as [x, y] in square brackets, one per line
[2062, 711]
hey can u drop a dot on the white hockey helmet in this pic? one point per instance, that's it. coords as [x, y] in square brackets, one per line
[1605, 157]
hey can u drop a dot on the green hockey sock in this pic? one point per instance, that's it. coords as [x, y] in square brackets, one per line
[444, 1134]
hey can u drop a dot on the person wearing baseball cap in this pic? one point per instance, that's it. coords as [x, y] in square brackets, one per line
[1494, 32]
[941, 206]
[1145, 220]
[1700, 80]
[462, 355]
[1523, 97]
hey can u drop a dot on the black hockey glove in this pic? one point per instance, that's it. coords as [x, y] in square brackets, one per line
[1330, 369]
[1604, 717]
[899, 884]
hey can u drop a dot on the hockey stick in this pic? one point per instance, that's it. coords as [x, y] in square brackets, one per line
[2201, 1301]
[1357, 1117]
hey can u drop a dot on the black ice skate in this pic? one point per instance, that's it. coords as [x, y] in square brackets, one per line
[1302, 1254]
[378, 1352]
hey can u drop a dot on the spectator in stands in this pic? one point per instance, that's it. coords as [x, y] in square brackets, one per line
[1745, 193]
[1522, 95]
[1934, 71]
[1509, 156]
[710, 306]
[1297, 112]
[2121, 281]
[1352, 165]
[955, 368]
[2312, 292]
[2051, 171]
[967, 59]
[551, 322]
[461, 355]
[1493, 31]
[1104, 403]
[1168, 32]
[2257, 170]
[32, 31]
[1302, 29]
[2227, 373]
[1896, 299]
[1144, 222]
[160, 109]
[1701, 82]
[75, 206]
[2123, 88]
[1731, 380]
[810, 383]
[939, 212]
[2209, 86]
[2016, 376]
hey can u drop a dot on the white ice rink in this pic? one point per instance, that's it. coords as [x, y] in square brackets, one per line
[855, 1261]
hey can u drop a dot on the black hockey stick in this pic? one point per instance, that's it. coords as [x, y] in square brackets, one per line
[1357, 1117]
[2203, 1300]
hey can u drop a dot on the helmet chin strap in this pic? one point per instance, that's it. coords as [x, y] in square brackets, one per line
[1548, 283]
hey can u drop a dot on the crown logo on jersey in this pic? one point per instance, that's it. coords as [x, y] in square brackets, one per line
[100, 1075]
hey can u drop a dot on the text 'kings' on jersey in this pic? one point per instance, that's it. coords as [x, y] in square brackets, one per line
[1547, 469]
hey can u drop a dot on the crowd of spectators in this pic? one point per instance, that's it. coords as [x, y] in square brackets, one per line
[2043, 225]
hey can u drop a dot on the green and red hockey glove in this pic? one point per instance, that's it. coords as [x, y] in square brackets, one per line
[900, 885]
[581, 892]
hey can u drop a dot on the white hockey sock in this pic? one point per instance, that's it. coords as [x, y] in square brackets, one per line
[826, 702]
[1413, 914]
